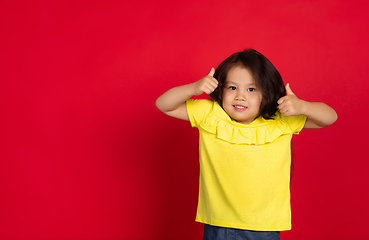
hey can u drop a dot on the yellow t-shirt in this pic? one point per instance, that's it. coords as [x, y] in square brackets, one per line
[244, 168]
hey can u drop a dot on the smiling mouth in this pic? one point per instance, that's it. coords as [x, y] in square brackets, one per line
[239, 107]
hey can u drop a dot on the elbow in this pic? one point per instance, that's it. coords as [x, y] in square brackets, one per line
[159, 105]
[333, 118]
[325, 122]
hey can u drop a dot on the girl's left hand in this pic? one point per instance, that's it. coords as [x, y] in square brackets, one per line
[291, 105]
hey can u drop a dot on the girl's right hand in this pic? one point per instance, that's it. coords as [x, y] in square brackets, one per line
[206, 84]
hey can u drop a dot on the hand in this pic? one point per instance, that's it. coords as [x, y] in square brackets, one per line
[206, 84]
[291, 105]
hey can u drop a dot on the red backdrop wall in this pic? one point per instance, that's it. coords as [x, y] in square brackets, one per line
[85, 154]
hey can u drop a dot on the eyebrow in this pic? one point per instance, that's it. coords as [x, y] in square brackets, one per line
[230, 82]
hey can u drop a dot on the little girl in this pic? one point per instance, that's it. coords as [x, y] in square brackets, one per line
[245, 135]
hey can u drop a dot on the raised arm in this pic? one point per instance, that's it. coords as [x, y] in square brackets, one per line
[173, 101]
[318, 114]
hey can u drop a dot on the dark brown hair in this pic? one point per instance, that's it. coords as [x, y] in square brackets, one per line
[266, 76]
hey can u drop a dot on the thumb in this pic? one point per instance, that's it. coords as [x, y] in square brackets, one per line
[212, 71]
[288, 90]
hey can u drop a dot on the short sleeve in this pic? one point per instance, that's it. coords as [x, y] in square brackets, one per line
[197, 110]
[296, 123]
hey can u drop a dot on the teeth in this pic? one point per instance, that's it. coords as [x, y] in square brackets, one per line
[238, 106]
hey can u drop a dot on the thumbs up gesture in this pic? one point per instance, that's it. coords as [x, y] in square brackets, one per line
[291, 105]
[206, 84]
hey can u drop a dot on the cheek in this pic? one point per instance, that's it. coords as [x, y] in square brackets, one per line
[257, 101]
[260, 100]
[225, 97]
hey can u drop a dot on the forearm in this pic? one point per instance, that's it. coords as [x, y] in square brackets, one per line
[174, 97]
[320, 113]
[173, 101]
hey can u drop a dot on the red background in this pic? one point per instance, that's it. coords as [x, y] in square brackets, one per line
[85, 154]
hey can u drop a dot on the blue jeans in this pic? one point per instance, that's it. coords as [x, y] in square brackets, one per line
[222, 233]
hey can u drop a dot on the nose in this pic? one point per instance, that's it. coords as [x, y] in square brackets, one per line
[240, 96]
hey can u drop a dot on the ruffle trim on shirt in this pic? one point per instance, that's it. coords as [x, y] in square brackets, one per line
[259, 132]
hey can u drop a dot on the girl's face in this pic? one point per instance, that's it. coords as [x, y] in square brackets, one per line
[241, 97]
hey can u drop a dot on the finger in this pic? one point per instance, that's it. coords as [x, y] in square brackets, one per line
[212, 71]
[281, 100]
[209, 90]
[214, 83]
[212, 88]
[282, 107]
[210, 81]
[288, 90]
[284, 111]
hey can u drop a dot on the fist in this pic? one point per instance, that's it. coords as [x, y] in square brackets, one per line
[290, 105]
[206, 84]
